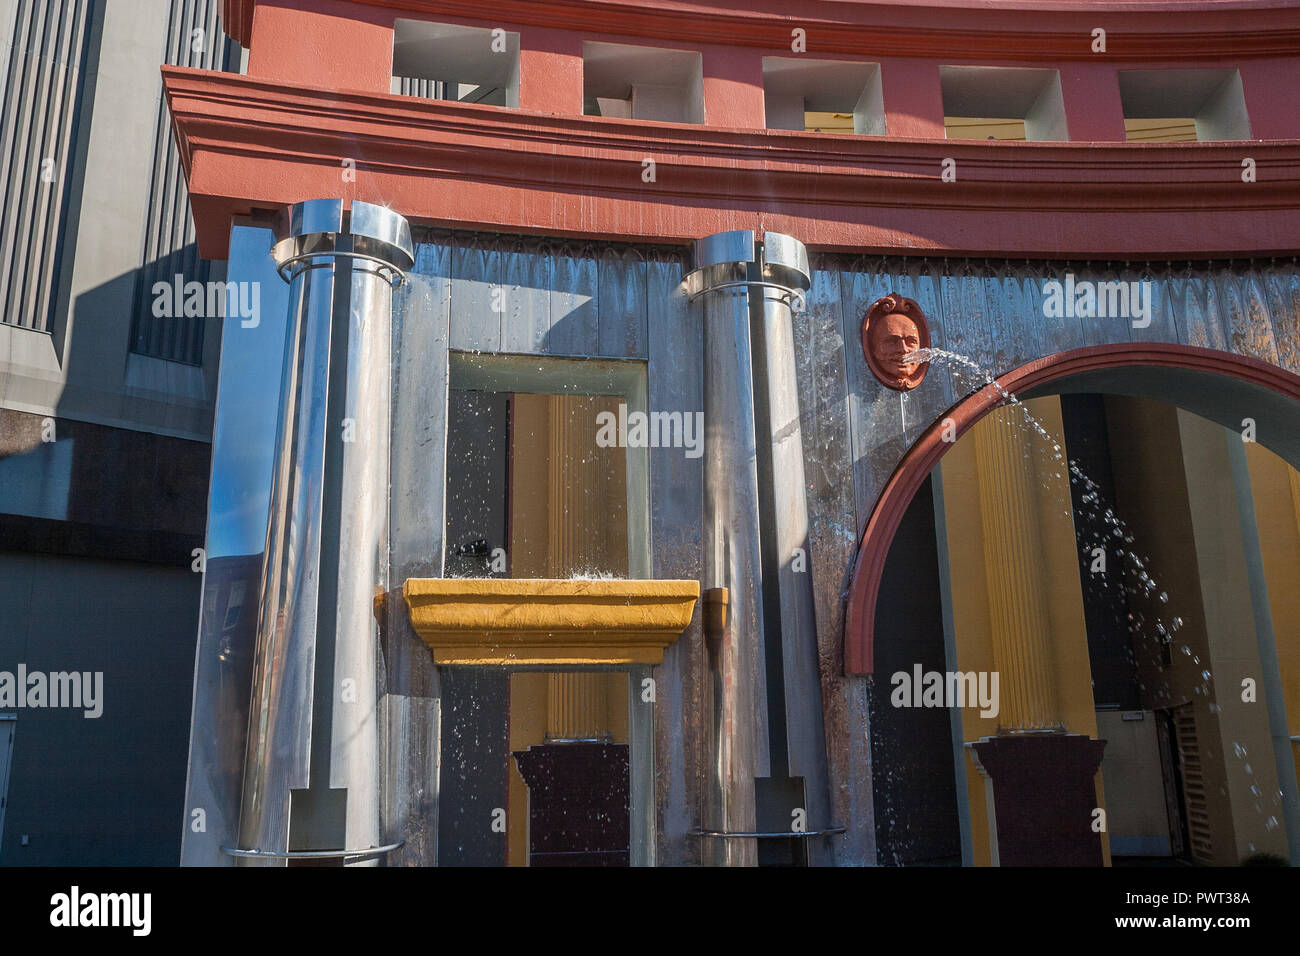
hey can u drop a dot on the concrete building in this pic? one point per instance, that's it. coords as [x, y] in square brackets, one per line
[830, 434]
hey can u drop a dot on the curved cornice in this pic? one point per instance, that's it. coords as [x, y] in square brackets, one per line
[249, 144]
[961, 30]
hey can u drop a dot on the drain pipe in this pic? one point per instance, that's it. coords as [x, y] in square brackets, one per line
[768, 750]
[311, 786]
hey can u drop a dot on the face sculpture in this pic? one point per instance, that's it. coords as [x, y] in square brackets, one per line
[892, 331]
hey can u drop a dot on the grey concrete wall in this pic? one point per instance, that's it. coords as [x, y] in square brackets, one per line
[124, 217]
[106, 790]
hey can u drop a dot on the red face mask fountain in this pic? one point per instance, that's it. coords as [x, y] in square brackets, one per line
[893, 328]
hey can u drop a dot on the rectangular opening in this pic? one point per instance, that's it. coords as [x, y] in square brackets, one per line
[823, 96]
[533, 491]
[984, 127]
[644, 83]
[1172, 106]
[443, 61]
[1002, 103]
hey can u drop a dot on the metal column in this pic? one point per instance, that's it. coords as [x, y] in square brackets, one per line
[766, 693]
[313, 761]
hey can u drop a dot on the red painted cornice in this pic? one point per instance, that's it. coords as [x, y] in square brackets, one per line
[958, 30]
[248, 144]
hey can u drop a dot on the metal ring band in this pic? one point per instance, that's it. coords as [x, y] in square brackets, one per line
[724, 834]
[795, 295]
[311, 854]
[395, 280]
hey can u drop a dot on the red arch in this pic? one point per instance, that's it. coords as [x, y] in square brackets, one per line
[873, 550]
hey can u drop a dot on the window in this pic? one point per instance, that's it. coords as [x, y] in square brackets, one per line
[645, 83]
[823, 96]
[1171, 106]
[1002, 103]
[442, 61]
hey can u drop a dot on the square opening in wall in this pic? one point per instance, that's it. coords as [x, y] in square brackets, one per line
[442, 61]
[641, 82]
[823, 96]
[1172, 106]
[1002, 103]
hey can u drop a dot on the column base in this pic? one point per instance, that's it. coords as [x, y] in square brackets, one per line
[1043, 796]
[577, 804]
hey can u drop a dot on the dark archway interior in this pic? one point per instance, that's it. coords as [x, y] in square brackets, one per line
[1224, 399]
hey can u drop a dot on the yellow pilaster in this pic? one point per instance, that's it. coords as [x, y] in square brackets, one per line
[1013, 557]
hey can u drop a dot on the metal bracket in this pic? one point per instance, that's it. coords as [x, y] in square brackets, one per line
[797, 301]
[724, 834]
[395, 279]
[311, 854]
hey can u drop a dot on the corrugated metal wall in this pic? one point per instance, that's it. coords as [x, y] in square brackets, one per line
[42, 101]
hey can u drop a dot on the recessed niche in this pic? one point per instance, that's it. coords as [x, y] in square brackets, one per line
[1002, 103]
[641, 82]
[1182, 105]
[443, 61]
[823, 96]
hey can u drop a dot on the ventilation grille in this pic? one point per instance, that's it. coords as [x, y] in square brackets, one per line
[42, 94]
[1198, 814]
[195, 39]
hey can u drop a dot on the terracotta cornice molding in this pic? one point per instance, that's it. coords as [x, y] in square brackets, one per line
[248, 144]
[1033, 31]
[482, 621]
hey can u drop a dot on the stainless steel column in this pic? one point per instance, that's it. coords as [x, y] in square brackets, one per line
[766, 690]
[314, 740]
[738, 734]
[786, 276]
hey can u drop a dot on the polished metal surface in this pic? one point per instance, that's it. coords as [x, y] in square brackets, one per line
[721, 258]
[766, 707]
[243, 447]
[317, 736]
[789, 548]
[737, 668]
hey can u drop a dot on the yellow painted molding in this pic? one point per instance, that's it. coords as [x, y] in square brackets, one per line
[551, 622]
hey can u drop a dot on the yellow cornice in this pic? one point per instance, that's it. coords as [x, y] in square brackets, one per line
[551, 622]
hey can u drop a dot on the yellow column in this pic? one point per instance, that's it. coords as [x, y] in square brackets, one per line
[576, 704]
[1014, 561]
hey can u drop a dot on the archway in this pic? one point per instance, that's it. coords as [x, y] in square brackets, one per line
[1241, 388]
[1216, 388]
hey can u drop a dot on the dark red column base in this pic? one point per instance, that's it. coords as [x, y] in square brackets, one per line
[1043, 797]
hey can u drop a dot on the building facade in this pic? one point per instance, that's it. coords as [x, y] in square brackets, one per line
[828, 434]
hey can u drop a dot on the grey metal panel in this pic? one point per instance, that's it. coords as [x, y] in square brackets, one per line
[922, 282]
[675, 381]
[1252, 330]
[417, 520]
[622, 304]
[1284, 284]
[476, 276]
[875, 412]
[574, 293]
[641, 783]
[526, 278]
[50, 43]
[820, 345]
